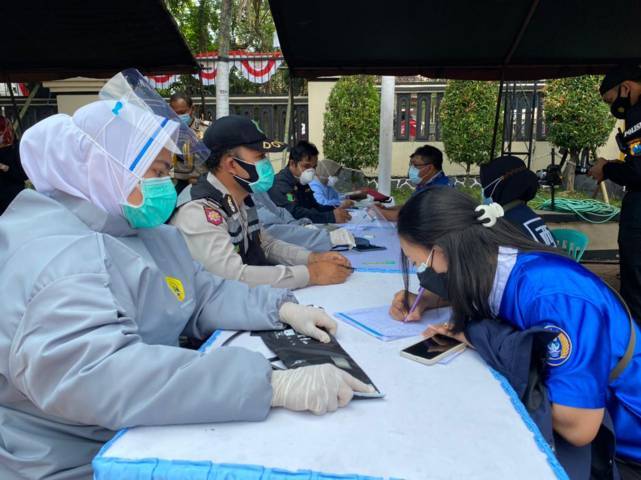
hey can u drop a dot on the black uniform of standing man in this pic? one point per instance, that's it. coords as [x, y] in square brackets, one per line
[621, 88]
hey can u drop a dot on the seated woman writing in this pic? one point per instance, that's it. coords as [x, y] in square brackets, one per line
[486, 269]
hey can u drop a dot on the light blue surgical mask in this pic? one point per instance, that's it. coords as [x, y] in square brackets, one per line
[414, 175]
[261, 175]
[495, 183]
[158, 203]
[185, 118]
[423, 266]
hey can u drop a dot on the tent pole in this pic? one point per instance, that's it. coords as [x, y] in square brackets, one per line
[531, 132]
[32, 93]
[386, 135]
[496, 116]
[288, 118]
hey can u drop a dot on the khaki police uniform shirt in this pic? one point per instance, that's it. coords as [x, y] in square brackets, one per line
[184, 167]
[204, 227]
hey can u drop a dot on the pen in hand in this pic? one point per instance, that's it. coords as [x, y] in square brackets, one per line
[415, 304]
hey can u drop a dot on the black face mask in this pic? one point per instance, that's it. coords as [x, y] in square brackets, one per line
[620, 106]
[250, 168]
[434, 282]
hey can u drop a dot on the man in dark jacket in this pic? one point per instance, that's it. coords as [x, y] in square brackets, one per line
[291, 188]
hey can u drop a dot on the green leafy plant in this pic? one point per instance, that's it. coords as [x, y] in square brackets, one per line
[577, 118]
[467, 121]
[352, 122]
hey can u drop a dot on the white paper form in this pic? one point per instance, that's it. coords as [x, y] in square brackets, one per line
[377, 322]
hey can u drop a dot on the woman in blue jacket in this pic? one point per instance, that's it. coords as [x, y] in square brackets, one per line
[485, 268]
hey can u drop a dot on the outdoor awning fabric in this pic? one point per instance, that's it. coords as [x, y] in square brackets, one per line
[49, 40]
[461, 39]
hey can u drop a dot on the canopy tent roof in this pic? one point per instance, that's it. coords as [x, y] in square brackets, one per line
[463, 39]
[44, 40]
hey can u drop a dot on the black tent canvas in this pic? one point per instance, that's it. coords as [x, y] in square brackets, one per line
[48, 40]
[464, 39]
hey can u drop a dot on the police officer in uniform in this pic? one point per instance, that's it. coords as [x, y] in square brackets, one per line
[291, 188]
[218, 218]
[507, 181]
[186, 171]
[621, 88]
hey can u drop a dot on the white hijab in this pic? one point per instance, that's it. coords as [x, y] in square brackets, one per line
[99, 154]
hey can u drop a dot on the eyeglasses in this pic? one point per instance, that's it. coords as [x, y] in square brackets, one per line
[418, 165]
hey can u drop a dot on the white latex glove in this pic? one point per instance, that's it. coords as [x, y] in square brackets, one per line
[311, 226]
[318, 388]
[342, 236]
[307, 320]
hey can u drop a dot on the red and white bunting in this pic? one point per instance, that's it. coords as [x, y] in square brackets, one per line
[162, 81]
[258, 71]
[255, 67]
[208, 72]
[18, 89]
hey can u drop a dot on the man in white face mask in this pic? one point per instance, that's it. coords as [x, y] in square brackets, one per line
[292, 189]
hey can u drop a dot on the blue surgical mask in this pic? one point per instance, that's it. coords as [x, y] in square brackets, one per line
[414, 175]
[158, 203]
[185, 118]
[431, 280]
[423, 266]
[261, 175]
[494, 183]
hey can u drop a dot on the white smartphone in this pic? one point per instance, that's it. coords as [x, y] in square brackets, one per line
[432, 350]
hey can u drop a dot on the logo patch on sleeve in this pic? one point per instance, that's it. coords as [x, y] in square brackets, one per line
[176, 287]
[213, 216]
[559, 349]
[290, 197]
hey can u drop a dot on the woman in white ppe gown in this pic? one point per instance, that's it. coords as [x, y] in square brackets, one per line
[91, 309]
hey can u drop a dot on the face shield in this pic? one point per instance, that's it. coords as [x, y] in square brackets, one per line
[129, 87]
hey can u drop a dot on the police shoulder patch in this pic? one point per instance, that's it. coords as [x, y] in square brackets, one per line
[213, 216]
[559, 349]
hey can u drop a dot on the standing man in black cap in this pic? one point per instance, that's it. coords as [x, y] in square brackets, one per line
[219, 222]
[621, 89]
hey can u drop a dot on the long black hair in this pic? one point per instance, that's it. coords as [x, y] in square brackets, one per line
[445, 217]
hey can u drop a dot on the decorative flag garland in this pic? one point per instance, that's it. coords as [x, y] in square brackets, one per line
[162, 81]
[255, 67]
[19, 90]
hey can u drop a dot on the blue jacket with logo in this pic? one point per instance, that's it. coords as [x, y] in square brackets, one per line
[542, 289]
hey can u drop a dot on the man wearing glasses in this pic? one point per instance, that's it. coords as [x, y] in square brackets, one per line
[425, 170]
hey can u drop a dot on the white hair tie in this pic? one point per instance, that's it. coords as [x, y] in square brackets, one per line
[491, 212]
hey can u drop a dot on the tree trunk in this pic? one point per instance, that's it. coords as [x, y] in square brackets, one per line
[203, 41]
[568, 171]
[222, 75]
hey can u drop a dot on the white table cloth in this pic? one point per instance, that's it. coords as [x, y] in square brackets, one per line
[454, 421]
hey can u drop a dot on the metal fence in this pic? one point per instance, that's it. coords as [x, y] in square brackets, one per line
[268, 112]
[417, 115]
[39, 109]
